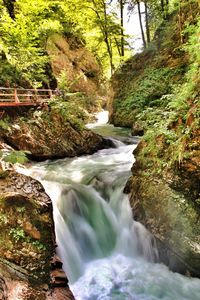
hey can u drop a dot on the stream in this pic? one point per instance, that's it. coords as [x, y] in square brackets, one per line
[106, 254]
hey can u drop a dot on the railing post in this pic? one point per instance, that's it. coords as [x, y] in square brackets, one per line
[50, 94]
[36, 95]
[15, 95]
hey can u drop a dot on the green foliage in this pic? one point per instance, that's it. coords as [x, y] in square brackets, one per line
[14, 157]
[3, 219]
[4, 124]
[24, 37]
[39, 246]
[21, 209]
[152, 90]
[72, 114]
[17, 234]
[173, 123]
[65, 85]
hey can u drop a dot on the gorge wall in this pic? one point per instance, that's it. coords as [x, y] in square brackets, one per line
[157, 94]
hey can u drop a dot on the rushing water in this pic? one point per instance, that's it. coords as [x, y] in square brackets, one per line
[106, 254]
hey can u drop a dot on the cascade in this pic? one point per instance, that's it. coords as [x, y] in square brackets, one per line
[106, 254]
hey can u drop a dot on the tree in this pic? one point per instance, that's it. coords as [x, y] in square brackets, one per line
[141, 24]
[10, 5]
[147, 22]
[26, 26]
[121, 3]
[154, 12]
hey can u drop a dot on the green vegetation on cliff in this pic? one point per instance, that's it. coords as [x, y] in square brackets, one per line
[157, 93]
[157, 90]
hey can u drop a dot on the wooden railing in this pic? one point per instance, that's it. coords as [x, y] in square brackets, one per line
[19, 95]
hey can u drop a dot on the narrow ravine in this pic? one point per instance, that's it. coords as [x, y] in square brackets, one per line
[106, 254]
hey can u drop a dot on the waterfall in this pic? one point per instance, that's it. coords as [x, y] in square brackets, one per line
[106, 254]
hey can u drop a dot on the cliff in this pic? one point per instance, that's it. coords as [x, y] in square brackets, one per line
[144, 82]
[69, 55]
[161, 99]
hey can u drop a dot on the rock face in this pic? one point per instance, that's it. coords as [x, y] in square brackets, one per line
[70, 55]
[51, 137]
[166, 201]
[27, 242]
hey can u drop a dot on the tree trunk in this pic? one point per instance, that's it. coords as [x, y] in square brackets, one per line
[167, 9]
[10, 6]
[103, 24]
[147, 23]
[122, 26]
[141, 25]
[107, 40]
[180, 22]
[162, 8]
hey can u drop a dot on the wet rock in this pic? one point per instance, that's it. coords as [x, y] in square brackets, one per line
[31, 230]
[58, 278]
[138, 128]
[56, 263]
[27, 242]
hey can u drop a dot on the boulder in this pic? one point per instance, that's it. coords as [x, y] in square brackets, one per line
[27, 242]
[51, 137]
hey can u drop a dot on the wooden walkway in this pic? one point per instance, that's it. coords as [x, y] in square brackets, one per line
[24, 97]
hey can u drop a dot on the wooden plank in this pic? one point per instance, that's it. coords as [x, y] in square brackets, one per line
[13, 104]
[7, 100]
[21, 89]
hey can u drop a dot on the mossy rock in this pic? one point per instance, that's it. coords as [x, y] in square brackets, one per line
[26, 226]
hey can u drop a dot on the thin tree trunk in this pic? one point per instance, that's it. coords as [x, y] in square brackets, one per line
[141, 26]
[147, 23]
[162, 8]
[103, 23]
[10, 6]
[162, 5]
[122, 26]
[108, 44]
[167, 9]
[180, 23]
[118, 46]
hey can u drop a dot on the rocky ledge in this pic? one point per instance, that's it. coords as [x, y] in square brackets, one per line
[49, 135]
[29, 267]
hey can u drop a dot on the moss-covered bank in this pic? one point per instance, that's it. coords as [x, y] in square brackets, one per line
[158, 90]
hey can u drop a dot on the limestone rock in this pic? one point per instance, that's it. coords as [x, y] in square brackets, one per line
[138, 128]
[167, 202]
[82, 70]
[27, 242]
[51, 137]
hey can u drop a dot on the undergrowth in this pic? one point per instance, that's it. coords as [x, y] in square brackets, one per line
[172, 125]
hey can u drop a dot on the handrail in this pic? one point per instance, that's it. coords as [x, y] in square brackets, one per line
[16, 95]
[22, 89]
